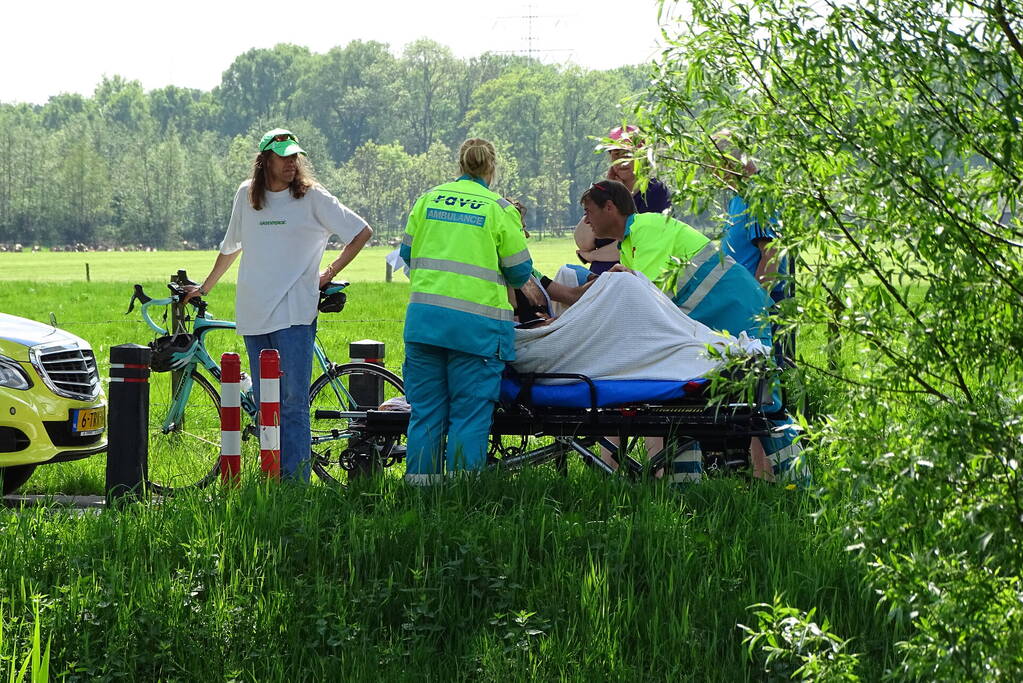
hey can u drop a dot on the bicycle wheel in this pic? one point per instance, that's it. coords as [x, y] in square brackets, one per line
[341, 450]
[186, 453]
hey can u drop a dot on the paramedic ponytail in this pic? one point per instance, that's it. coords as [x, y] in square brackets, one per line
[478, 158]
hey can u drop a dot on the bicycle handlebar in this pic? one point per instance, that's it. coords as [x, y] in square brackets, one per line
[178, 292]
[333, 288]
[139, 294]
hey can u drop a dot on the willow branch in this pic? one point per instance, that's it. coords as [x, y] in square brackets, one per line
[1003, 23]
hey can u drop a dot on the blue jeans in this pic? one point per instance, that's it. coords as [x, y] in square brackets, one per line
[452, 395]
[295, 346]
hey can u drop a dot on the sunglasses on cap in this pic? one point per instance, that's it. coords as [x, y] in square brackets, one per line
[277, 138]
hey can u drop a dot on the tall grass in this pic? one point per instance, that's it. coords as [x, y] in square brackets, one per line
[535, 576]
[22, 657]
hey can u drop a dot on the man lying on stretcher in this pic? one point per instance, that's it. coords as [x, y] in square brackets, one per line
[624, 328]
[535, 301]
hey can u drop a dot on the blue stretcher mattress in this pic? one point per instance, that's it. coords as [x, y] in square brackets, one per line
[610, 392]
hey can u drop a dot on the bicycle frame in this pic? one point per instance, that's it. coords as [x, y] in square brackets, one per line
[339, 389]
[204, 324]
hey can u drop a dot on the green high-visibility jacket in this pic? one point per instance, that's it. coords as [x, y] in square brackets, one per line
[651, 239]
[464, 246]
[711, 287]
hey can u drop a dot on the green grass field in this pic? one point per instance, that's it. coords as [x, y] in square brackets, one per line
[526, 577]
[108, 266]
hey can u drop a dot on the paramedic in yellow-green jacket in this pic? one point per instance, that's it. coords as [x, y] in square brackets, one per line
[464, 247]
[711, 288]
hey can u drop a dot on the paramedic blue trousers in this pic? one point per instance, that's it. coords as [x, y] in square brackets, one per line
[453, 395]
[724, 296]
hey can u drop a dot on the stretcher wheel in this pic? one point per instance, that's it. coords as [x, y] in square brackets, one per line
[504, 447]
[342, 450]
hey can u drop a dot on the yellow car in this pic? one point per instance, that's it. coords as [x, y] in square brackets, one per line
[52, 407]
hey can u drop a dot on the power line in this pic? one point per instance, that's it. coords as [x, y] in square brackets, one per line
[530, 18]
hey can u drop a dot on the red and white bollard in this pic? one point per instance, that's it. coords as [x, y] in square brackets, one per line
[230, 419]
[270, 413]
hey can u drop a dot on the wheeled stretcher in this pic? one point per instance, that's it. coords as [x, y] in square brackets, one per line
[538, 422]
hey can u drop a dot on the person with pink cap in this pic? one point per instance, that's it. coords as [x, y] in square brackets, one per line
[602, 254]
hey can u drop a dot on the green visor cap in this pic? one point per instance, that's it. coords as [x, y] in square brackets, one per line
[281, 142]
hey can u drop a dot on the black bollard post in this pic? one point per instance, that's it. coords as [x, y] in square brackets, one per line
[128, 430]
[367, 390]
[368, 393]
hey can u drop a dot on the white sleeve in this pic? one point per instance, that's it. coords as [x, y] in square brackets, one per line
[334, 216]
[232, 241]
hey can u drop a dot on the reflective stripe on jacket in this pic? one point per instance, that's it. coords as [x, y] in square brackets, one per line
[711, 287]
[722, 295]
[464, 247]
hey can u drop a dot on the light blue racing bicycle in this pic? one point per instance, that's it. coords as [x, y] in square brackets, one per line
[184, 403]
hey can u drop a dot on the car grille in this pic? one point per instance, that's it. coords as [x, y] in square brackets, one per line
[68, 370]
[62, 435]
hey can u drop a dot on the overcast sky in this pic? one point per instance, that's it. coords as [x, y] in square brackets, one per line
[55, 46]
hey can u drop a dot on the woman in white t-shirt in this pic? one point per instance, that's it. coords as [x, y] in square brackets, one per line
[280, 223]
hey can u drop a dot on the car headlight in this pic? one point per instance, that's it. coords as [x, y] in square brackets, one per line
[11, 374]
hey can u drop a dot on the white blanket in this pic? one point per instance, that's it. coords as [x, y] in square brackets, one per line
[623, 327]
[568, 277]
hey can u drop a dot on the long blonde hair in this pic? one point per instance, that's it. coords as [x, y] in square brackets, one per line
[477, 158]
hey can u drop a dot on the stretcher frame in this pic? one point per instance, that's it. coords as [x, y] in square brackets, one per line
[722, 427]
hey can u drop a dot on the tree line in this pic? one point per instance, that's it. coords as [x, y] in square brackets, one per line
[159, 168]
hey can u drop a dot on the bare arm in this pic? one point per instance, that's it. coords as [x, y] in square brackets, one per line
[584, 236]
[345, 257]
[588, 250]
[220, 267]
[567, 295]
[767, 269]
[608, 252]
[532, 292]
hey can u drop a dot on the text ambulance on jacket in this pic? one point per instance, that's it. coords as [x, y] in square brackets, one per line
[464, 247]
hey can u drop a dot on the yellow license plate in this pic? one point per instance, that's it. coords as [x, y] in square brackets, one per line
[89, 420]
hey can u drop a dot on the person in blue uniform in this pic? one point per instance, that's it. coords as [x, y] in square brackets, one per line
[602, 253]
[465, 247]
[751, 236]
